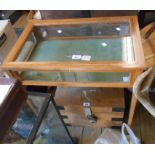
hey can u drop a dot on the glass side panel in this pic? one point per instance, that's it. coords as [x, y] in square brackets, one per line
[76, 77]
[51, 130]
[27, 48]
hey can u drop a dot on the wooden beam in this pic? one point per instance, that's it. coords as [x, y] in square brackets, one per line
[110, 66]
[80, 21]
[77, 84]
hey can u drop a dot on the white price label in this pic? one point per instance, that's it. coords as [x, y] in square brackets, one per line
[76, 57]
[86, 57]
[126, 79]
[86, 104]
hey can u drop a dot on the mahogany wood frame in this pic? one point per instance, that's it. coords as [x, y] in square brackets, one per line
[111, 66]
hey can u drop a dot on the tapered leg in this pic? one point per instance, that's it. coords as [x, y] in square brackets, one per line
[132, 109]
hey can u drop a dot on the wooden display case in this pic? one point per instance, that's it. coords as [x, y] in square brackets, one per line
[86, 52]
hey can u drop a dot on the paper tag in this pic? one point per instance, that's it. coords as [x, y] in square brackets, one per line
[86, 104]
[126, 79]
[76, 57]
[86, 57]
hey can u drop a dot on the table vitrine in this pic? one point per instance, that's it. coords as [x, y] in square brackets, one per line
[87, 52]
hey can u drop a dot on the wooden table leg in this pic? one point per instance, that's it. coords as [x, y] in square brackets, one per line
[132, 109]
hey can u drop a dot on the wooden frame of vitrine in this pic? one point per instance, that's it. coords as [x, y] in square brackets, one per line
[111, 66]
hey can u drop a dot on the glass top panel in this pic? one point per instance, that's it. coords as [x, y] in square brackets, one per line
[97, 29]
[87, 42]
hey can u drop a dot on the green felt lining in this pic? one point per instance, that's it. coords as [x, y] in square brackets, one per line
[62, 50]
